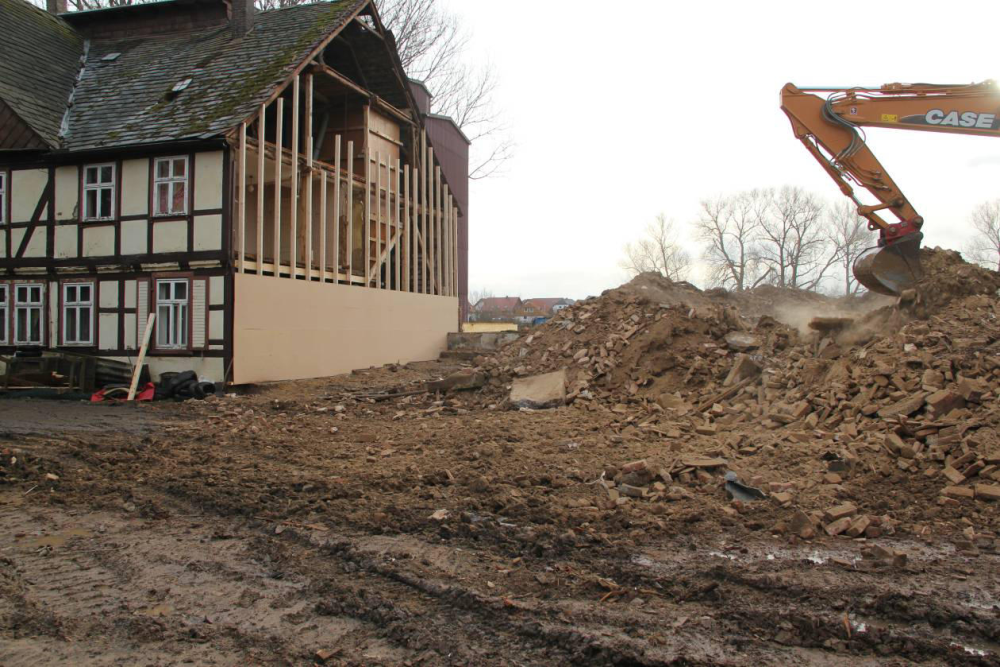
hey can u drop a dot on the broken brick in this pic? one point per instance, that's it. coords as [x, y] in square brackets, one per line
[840, 512]
[987, 492]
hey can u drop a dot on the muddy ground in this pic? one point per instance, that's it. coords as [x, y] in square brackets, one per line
[303, 524]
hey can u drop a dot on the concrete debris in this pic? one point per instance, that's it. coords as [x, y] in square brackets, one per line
[539, 391]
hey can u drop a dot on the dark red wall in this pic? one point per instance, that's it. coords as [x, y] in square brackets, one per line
[452, 151]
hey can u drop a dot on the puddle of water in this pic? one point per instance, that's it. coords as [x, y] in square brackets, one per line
[57, 539]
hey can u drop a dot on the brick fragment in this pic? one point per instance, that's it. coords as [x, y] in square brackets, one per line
[987, 492]
[953, 475]
[837, 527]
[958, 492]
[840, 512]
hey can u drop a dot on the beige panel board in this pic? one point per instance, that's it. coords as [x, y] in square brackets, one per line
[216, 291]
[293, 329]
[208, 180]
[170, 236]
[135, 187]
[135, 237]
[107, 331]
[216, 325]
[208, 232]
[130, 293]
[129, 341]
[98, 241]
[67, 240]
[67, 193]
[108, 294]
[26, 187]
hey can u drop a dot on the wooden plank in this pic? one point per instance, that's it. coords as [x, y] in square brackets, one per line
[414, 224]
[379, 283]
[350, 211]
[446, 242]
[293, 260]
[368, 204]
[336, 208]
[398, 228]
[324, 220]
[241, 211]
[406, 229]
[454, 247]
[260, 189]
[142, 356]
[425, 213]
[277, 189]
[309, 175]
[433, 241]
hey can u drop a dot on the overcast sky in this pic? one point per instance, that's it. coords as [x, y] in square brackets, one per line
[621, 111]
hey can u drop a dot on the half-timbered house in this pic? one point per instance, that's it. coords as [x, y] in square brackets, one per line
[263, 184]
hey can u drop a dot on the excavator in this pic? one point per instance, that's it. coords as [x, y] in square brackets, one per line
[831, 128]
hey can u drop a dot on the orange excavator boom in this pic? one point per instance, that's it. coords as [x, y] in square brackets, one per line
[829, 129]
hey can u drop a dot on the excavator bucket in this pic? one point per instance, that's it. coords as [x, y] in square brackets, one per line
[891, 268]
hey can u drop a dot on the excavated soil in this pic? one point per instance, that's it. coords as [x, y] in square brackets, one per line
[359, 521]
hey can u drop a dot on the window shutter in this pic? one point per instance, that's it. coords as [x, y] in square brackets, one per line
[141, 310]
[199, 313]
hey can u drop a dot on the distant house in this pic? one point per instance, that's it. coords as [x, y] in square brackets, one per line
[497, 308]
[545, 307]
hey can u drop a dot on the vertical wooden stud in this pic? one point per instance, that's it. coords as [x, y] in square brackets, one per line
[279, 158]
[309, 174]
[350, 212]
[336, 209]
[242, 210]
[260, 190]
[424, 215]
[407, 260]
[399, 231]
[324, 220]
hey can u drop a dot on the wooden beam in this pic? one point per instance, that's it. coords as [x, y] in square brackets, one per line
[336, 208]
[324, 220]
[242, 210]
[309, 170]
[260, 189]
[446, 241]
[142, 355]
[341, 79]
[398, 228]
[277, 188]
[424, 211]
[350, 212]
[407, 261]
[378, 220]
[414, 222]
[368, 202]
[293, 237]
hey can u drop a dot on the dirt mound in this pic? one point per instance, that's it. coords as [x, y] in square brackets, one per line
[948, 277]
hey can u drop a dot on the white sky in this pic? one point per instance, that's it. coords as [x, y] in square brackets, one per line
[623, 110]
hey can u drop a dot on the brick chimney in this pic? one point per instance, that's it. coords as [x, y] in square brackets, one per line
[240, 20]
[55, 6]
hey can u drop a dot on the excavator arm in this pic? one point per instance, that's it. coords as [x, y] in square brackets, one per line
[829, 129]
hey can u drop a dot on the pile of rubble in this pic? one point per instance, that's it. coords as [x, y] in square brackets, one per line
[910, 388]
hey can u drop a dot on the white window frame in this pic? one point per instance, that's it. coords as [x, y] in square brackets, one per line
[98, 187]
[168, 311]
[26, 307]
[79, 306]
[3, 197]
[171, 182]
[4, 312]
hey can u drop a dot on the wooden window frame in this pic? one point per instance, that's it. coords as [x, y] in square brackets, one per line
[155, 304]
[113, 185]
[186, 180]
[40, 306]
[63, 306]
[5, 318]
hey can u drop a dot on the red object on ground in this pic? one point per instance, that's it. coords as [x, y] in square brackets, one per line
[120, 394]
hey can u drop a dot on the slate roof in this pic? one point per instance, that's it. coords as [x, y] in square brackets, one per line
[126, 101]
[39, 62]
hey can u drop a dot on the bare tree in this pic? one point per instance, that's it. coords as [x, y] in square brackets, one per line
[729, 228]
[793, 241]
[984, 248]
[849, 236]
[433, 48]
[477, 295]
[658, 251]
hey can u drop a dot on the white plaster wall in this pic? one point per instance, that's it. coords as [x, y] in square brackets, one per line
[170, 236]
[36, 244]
[208, 232]
[290, 329]
[15, 239]
[130, 334]
[26, 187]
[107, 331]
[216, 291]
[216, 325]
[130, 293]
[98, 241]
[135, 187]
[208, 180]
[67, 193]
[67, 240]
[108, 294]
[135, 237]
